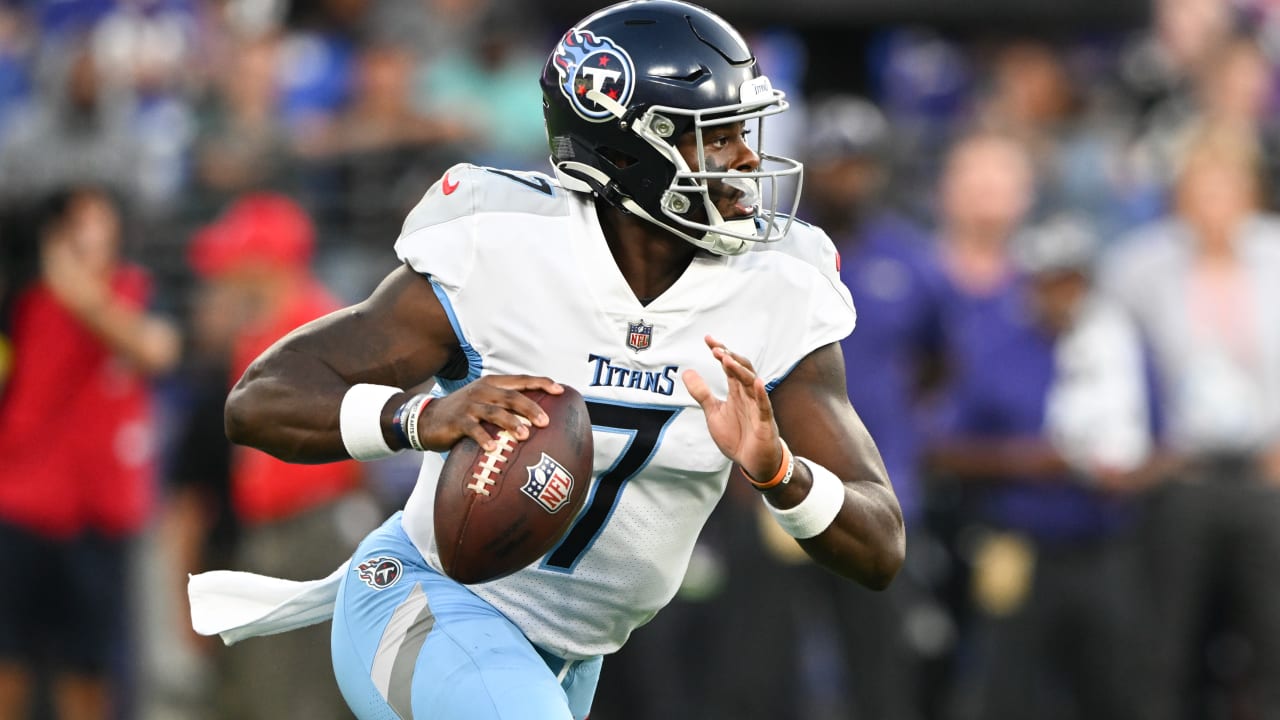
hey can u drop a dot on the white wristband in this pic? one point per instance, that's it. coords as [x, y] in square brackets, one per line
[818, 509]
[360, 421]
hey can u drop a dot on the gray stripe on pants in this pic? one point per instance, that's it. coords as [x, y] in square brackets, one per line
[397, 653]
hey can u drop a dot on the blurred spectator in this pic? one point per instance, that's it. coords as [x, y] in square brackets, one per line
[924, 82]
[242, 143]
[985, 194]
[1047, 421]
[892, 361]
[317, 69]
[16, 45]
[77, 130]
[198, 528]
[145, 47]
[1159, 66]
[1079, 156]
[1235, 85]
[380, 116]
[485, 87]
[890, 267]
[1204, 284]
[1174, 72]
[291, 516]
[70, 504]
[70, 17]
[371, 163]
[1237, 88]
[201, 527]
[923, 79]
[434, 28]
[146, 43]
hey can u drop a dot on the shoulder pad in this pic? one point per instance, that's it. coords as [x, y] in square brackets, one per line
[467, 190]
[808, 243]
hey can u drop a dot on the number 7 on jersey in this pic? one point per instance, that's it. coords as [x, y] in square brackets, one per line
[645, 425]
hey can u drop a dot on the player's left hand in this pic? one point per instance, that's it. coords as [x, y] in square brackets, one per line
[742, 424]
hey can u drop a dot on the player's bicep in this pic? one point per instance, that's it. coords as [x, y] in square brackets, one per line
[811, 407]
[400, 335]
[866, 540]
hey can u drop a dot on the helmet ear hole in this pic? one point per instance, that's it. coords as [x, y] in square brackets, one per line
[617, 158]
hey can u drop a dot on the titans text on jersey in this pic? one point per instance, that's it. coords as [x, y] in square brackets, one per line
[612, 373]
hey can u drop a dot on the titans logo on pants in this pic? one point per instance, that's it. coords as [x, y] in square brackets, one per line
[380, 573]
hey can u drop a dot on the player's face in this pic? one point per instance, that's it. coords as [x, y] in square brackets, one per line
[724, 148]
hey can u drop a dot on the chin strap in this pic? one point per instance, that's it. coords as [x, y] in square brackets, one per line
[710, 241]
[580, 177]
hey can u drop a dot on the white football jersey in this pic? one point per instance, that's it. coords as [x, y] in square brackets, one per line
[522, 268]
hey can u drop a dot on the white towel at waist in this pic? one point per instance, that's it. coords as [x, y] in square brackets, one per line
[240, 605]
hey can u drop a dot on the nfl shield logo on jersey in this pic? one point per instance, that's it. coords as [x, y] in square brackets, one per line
[639, 335]
[380, 573]
[549, 483]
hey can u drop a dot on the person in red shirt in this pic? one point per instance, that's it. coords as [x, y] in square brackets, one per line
[76, 436]
[260, 250]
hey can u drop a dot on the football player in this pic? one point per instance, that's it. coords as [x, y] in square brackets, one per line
[654, 273]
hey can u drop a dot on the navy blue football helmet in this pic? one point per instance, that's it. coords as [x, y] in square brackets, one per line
[624, 83]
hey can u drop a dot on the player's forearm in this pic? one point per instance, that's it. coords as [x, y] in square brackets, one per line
[289, 400]
[287, 405]
[866, 541]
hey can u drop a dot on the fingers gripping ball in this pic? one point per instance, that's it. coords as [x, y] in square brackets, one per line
[496, 512]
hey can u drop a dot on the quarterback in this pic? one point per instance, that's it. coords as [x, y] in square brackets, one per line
[653, 272]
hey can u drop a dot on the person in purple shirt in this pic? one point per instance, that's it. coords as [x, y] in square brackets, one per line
[1044, 427]
[891, 363]
[893, 358]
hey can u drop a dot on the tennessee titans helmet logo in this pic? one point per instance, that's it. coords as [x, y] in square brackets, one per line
[586, 62]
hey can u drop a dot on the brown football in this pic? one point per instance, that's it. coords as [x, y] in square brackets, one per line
[497, 512]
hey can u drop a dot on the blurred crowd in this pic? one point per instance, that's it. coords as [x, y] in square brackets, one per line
[1062, 245]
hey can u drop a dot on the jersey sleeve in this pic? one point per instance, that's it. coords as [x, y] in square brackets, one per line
[471, 207]
[437, 238]
[817, 309]
[467, 224]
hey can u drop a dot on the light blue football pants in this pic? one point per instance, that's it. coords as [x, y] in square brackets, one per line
[411, 643]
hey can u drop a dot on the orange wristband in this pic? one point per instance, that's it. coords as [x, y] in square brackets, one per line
[783, 476]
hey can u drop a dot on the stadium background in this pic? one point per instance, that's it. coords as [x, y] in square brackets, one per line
[367, 102]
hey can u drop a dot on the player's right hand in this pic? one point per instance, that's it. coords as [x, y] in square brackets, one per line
[495, 399]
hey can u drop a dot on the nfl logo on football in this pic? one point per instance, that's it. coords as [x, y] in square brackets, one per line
[639, 335]
[549, 484]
